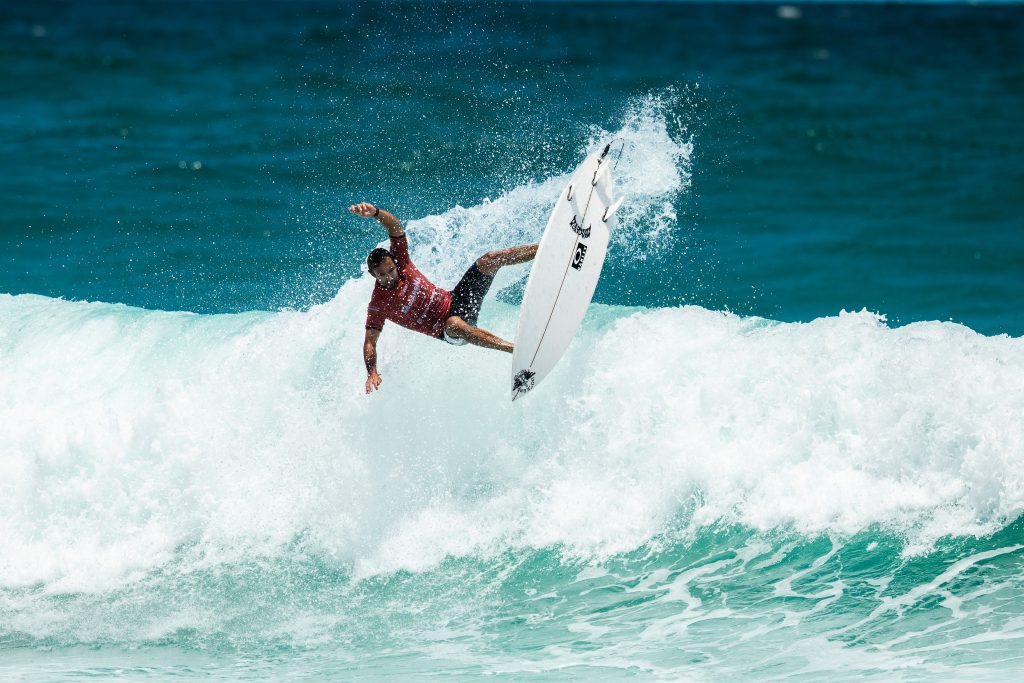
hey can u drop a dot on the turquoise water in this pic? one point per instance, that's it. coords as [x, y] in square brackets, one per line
[786, 445]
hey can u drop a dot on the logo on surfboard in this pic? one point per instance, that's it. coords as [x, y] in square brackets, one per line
[576, 228]
[577, 257]
[523, 382]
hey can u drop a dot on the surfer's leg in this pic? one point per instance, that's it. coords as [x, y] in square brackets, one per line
[469, 293]
[457, 328]
[490, 262]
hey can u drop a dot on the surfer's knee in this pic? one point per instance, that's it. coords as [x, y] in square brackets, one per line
[489, 263]
[456, 327]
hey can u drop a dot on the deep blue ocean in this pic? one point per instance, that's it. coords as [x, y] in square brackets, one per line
[786, 444]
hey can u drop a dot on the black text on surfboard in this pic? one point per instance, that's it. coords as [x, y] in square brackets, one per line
[577, 257]
[582, 232]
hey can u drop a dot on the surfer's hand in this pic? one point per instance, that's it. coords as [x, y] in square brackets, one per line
[373, 381]
[364, 209]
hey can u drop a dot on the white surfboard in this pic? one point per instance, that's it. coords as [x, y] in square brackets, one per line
[565, 271]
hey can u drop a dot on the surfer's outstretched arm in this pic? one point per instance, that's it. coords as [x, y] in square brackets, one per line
[386, 218]
[373, 379]
[457, 328]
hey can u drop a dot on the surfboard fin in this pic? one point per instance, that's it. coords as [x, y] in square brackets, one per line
[601, 172]
[568, 195]
[610, 211]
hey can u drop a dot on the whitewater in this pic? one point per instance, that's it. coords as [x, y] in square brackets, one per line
[692, 494]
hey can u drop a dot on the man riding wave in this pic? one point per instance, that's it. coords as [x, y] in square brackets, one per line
[403, 295]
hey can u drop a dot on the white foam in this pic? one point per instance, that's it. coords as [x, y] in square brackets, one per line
[130, 435]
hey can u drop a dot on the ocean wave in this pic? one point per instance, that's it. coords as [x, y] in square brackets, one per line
[130, 435]
[133, 439]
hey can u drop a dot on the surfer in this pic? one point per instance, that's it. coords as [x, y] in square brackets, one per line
[405, 296]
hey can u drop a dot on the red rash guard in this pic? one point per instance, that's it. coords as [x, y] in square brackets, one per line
[415, 302]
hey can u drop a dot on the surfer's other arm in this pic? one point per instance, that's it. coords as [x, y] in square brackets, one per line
[385, 218]
[373, 379]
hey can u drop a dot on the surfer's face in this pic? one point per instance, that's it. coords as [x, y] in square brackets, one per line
[386, 273]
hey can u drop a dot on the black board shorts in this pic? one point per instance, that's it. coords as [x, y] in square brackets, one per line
[467, 297]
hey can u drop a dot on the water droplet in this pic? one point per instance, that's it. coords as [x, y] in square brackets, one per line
[788, 12]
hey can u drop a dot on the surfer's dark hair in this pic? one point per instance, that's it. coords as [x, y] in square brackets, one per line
[376, 256]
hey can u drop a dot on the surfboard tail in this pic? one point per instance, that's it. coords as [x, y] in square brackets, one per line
[522, 383]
